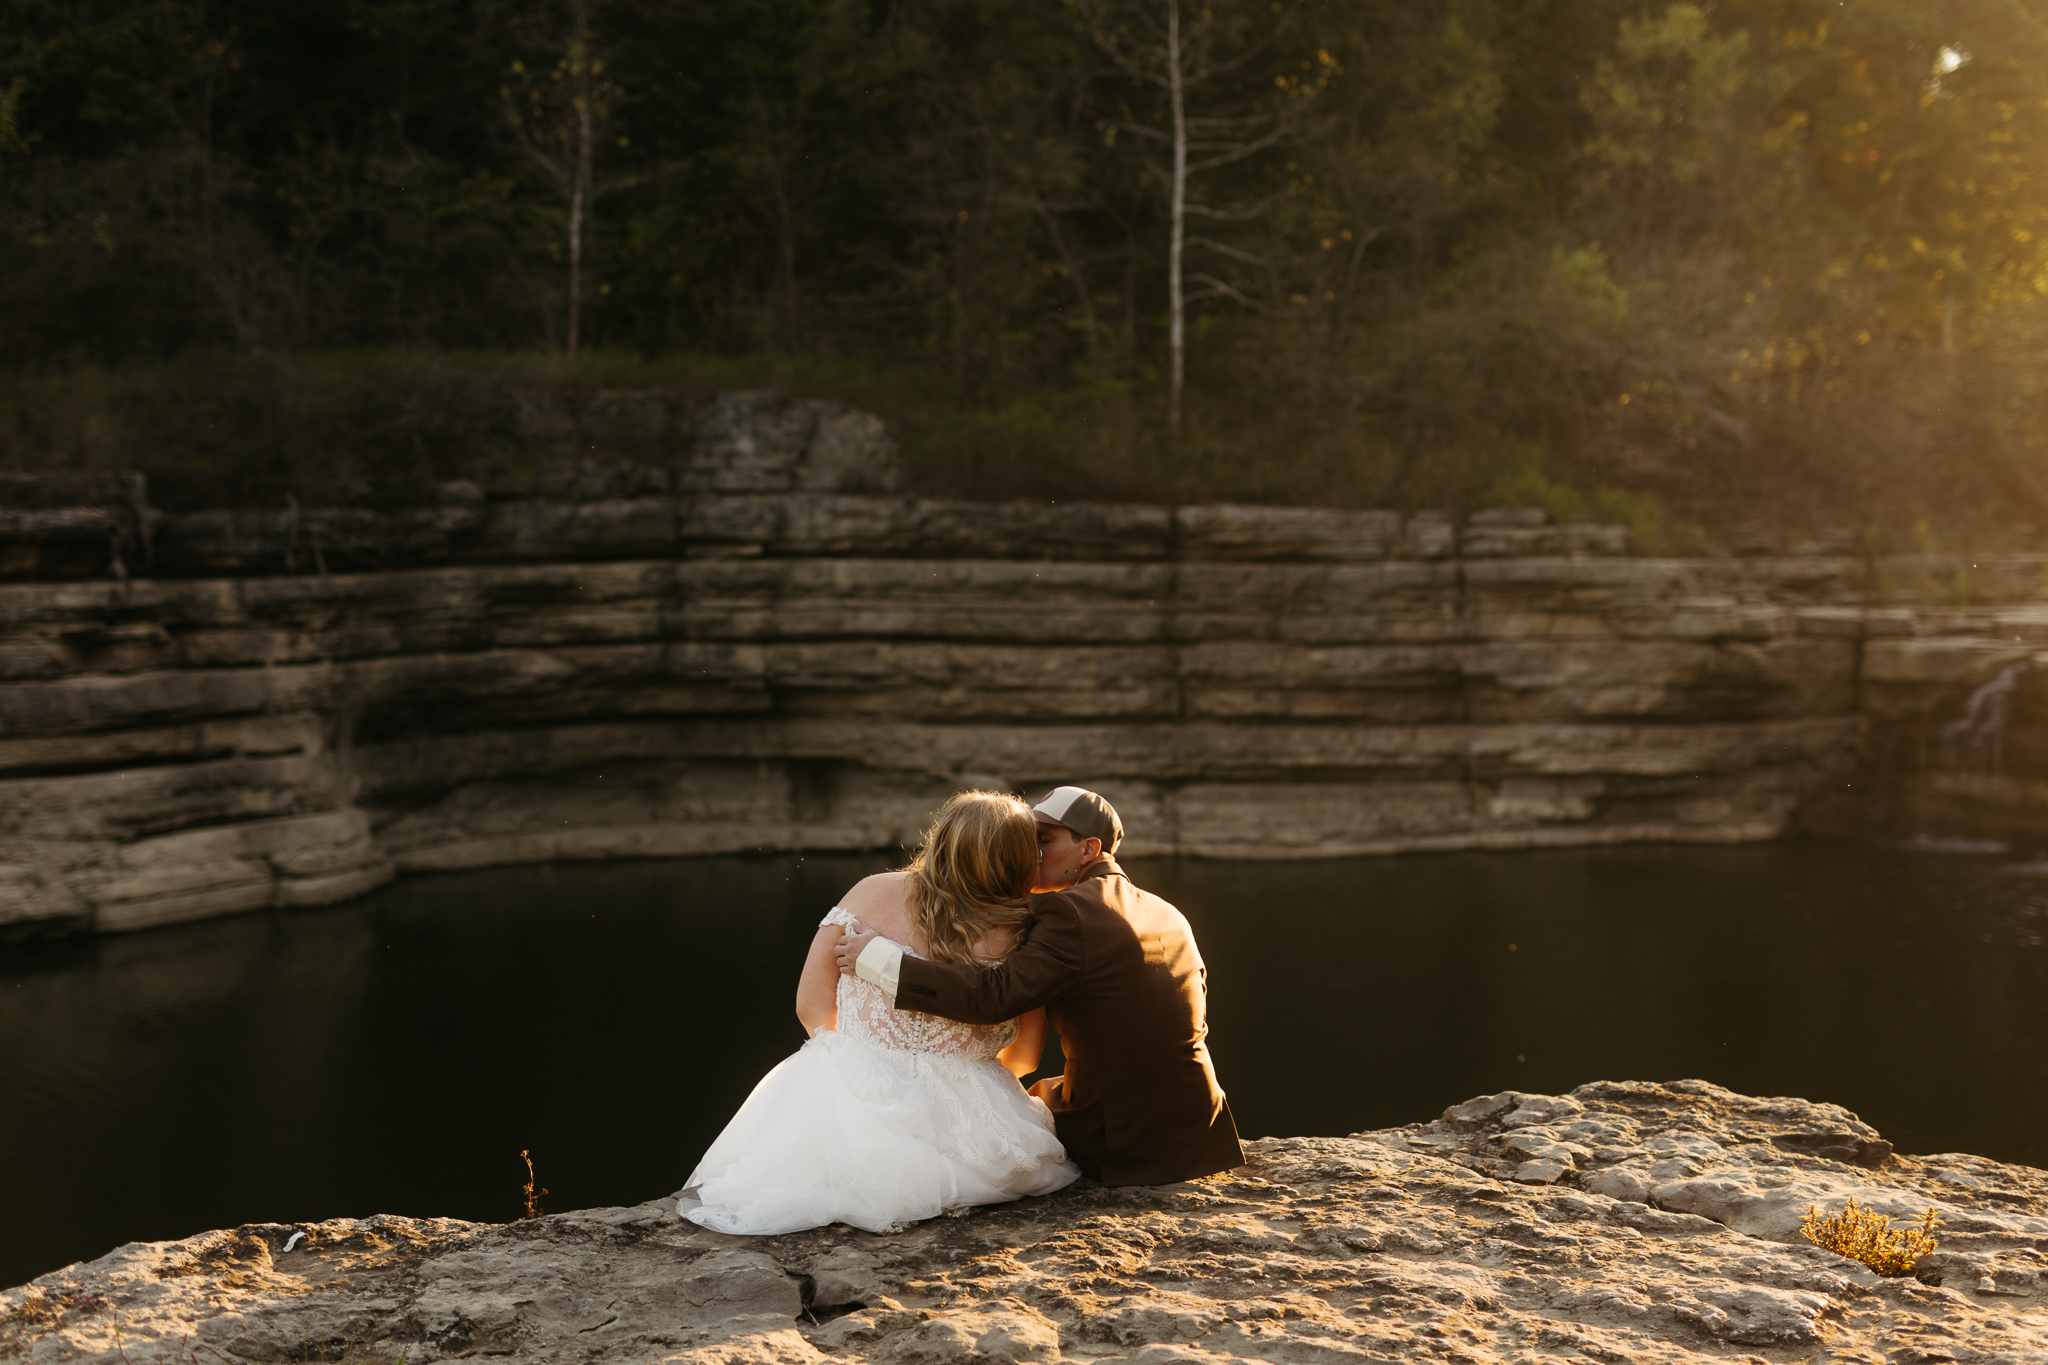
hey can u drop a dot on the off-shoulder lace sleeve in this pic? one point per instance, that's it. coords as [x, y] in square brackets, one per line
[840, 917]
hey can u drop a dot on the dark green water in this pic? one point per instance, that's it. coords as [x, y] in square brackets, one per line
[395, 1054]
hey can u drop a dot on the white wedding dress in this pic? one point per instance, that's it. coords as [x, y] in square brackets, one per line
[897, 1116]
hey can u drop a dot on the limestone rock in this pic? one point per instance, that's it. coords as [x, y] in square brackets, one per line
[845, 1275]
[733, 1283]
[35, 901]
[1331, 703]
[1381, 1246]
[760, 442]
[1227, 531]
[849, 452]
[997, 1337]
[1941, 660]
[659, 631]
[750, 442]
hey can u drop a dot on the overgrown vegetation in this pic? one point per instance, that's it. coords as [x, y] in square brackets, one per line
[1867, 1236]
[381, 427]
[1683, 264]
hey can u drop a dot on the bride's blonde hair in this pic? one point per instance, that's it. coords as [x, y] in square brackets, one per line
[973, 873]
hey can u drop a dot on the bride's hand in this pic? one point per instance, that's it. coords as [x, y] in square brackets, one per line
[850, 945]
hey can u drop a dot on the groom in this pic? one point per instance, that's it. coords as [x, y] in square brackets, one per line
[1121, 979]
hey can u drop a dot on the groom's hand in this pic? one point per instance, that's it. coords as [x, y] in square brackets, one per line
[850, 944]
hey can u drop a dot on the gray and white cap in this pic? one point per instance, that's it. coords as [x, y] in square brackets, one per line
[1083, 812]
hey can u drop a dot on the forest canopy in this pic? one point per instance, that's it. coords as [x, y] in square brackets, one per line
[1754, 262]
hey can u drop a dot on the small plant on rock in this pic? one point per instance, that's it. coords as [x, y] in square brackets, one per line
[533, 1208]
[1868, 1236]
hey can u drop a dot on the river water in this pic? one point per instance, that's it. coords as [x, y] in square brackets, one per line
[396, 1054]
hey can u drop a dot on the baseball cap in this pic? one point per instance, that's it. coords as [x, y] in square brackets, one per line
[1083, 812]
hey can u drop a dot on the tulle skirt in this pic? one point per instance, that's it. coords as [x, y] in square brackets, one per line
[845, 1131]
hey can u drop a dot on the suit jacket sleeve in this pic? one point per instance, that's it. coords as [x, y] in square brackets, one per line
[1047, 962]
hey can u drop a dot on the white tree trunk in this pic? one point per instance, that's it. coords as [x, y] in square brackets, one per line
[582, 93]
[1176, 308]
[580, 179]
[576, 198]
[575, 268]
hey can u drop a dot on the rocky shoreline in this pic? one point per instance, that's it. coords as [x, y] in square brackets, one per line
[1625, 1221]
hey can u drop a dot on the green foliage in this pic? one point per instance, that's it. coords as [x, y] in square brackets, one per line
[379, 427]
[1765, 259]
[1666, 103]
[1862, 1235]
[12, 143]
[214, 428]
[1584, 291]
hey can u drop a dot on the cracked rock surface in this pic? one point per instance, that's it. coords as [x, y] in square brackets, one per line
[1626, 1221]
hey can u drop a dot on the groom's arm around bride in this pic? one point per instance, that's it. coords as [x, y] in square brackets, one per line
[1122, 981]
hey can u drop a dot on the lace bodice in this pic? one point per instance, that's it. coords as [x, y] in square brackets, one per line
[865, 1012]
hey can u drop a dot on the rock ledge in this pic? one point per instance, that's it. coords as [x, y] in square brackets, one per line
[1625, 1221]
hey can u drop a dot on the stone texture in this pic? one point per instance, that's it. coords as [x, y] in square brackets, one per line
[480, 714]
[728, 629]
[1287, 533]
[1664, 1239]
[487, 714]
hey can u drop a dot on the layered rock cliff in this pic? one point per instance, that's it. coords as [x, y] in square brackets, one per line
[697, 640]
[1621, 1222]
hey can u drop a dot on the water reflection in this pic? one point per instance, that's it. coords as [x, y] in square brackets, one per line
[396, 1054]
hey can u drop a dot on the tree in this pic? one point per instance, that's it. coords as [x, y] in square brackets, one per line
[1149, 44]
[560, 116]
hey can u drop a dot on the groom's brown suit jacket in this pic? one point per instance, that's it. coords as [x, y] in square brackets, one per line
[1121, 979]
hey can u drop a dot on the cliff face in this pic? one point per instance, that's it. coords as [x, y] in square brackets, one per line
[1621, 1222]
[716, 650]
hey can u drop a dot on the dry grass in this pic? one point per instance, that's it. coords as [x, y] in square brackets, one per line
[1867, 1236]
[533, 1196]
[39, 1314]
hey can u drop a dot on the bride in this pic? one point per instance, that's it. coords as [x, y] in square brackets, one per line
[887, 1116]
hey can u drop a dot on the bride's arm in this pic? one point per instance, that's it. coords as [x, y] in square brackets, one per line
[1021, 1057]
[1039, 971]
[817, 990]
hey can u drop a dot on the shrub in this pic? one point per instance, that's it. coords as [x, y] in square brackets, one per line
[1867, 1236]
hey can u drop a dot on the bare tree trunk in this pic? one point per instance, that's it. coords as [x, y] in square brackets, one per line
[1178, 63]
[575, 267]
[562, 138]
[576, 198]
[785, 241]
[1176, 306]
[1073, 269]
[778, 138]
[579, 190]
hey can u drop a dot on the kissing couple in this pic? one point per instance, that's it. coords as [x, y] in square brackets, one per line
[926, 994]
